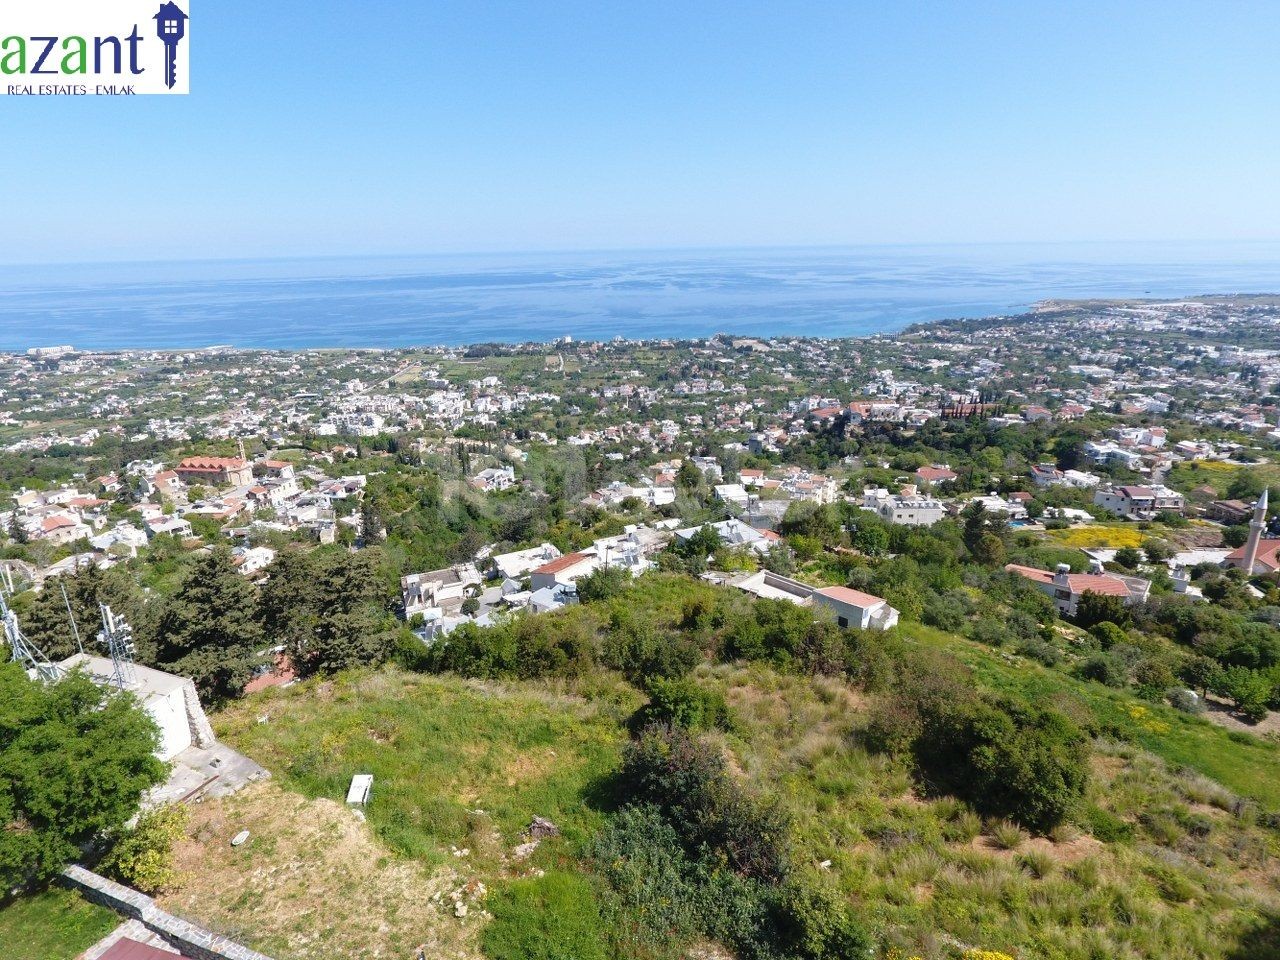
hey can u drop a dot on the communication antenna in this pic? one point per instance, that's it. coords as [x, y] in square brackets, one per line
[22, 650]
[117, 637]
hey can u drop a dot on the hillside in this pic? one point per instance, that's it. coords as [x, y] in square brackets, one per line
[1168, 852]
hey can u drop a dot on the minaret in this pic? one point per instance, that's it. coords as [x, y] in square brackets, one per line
[1256, 526]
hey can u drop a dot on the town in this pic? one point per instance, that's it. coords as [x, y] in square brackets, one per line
[1073, 503]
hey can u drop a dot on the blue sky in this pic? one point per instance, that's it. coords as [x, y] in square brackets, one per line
[392, 126]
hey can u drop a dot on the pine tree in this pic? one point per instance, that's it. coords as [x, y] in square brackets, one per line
[209, 629]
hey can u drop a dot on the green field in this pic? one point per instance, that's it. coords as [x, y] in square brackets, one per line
[439, 749]
[53, 925]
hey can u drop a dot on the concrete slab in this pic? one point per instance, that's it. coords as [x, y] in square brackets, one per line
[216, 771]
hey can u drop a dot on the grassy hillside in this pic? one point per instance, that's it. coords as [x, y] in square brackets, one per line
[1160, 862]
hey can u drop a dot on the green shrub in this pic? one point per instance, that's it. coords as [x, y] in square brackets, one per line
[1107, 827]
[1007, 759]
[552, 917]
[636, 648]
[1007, 836]
[143, 856]
[658, 898]
[683, 703]
[815, 923]
[687, 781]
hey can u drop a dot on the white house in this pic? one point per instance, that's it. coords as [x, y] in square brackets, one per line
[437, 592]
[855, 609]
[908, 508]
[1066, 588]
[1139, 502]
[563, 571]
[514, 565]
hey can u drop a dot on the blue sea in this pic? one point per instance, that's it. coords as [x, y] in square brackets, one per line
[408, 301]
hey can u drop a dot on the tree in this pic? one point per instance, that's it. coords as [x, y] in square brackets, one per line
[989, 550]
[1248, 689]
[48, 626]
[288, 600]
[349, 612]
[75, 758]
[1093, 608]
[871, 539]
[689, 477]
[603, 583]
[209, 629]
[982, 535]
[1235, 536]
[1128, 557]
[17, 532]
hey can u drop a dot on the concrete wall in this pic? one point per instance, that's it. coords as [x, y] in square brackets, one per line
[195, 942]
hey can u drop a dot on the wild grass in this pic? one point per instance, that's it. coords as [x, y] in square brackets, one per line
[1241, 763]
[1097, 535]
[1183, 872]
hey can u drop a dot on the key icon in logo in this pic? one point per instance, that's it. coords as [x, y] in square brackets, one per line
[171, 27]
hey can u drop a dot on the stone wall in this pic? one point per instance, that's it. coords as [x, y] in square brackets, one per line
[194, 942]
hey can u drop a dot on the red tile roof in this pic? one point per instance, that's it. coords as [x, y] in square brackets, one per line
[563, 563]
[1076, 582]
[1268, 553]
[934, 474]
[212, 464]
[126, 949]
[850, 596]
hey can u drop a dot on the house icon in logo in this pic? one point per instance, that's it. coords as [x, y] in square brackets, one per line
[171, 27]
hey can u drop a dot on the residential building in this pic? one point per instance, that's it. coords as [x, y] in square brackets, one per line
[909, 508]
[1066, 588]
[563, 571]
[215, 471]
[437, 592]
[1139, 502]
[855, 609]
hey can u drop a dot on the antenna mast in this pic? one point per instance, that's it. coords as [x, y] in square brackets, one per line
[22, 650]
[117, 637]
[74, 628]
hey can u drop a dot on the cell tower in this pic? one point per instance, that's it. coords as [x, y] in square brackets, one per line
[117, 637]
[22, 650]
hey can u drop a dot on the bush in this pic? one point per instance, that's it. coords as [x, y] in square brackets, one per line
[143, 857]
[787, 636]
[603, 583]
[683, 703]
[1108, 634]
[1185, 700]
[814, 923]
[634, 647]
[686, 780]
[1007, 836]
[653, 881]
[1007, 759]
[1094, 608]
[1105, 669]
[545, 918]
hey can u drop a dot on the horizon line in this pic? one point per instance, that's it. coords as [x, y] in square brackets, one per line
[580, 251]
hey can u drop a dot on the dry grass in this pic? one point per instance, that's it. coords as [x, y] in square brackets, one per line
[312, 882]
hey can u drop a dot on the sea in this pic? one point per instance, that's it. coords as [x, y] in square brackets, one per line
[407, 301]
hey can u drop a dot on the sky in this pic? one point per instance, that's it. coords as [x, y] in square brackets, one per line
[390, 126]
